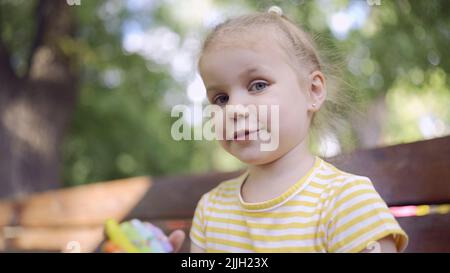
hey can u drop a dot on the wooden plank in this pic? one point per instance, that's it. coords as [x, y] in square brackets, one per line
[414, 173]
[86, 205]
[48, 221]
[430, 233]
[6, 212]
[44, 239]
[175, 197]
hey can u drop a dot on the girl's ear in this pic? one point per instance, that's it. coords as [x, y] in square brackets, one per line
[317, 91]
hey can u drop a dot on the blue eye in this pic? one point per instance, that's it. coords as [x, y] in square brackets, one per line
[220, 99]
[259, 86]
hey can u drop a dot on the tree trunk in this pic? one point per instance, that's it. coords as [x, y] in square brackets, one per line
[35, 109]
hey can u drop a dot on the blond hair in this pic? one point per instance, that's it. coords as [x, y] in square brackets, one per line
[302, 49]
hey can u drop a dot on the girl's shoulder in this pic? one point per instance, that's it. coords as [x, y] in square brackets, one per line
[354, 214]
[338, 180]
[336, 176]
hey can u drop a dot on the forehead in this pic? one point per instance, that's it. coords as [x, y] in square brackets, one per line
[238, 55]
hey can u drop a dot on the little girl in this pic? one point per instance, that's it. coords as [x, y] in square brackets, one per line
[288, 200]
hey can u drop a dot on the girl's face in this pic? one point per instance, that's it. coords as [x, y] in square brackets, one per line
[258, 76]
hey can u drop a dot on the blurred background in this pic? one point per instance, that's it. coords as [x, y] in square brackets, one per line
[86, 87]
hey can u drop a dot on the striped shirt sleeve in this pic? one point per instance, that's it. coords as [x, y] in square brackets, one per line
[197, 232]
[357, 217]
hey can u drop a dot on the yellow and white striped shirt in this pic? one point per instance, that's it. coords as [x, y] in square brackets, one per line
[327, 210]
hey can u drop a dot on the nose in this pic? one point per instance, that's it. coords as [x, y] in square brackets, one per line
[237, 112]
[237, 107]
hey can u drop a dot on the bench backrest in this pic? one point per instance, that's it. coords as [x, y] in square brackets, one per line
[407, 174]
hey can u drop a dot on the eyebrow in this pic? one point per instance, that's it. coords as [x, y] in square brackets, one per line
[249, 70]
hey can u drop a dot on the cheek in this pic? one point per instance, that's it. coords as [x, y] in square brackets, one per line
[219, 121]
[293, 117]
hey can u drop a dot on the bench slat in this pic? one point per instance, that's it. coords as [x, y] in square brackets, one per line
[405, 174]
[176, 196]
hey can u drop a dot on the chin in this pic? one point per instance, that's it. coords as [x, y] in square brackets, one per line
[251, 154]
[256, 160]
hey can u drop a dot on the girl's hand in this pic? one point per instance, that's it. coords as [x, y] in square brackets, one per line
[384, 245]
[176, 239]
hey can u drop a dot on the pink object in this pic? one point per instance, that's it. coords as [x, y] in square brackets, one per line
[404, 211]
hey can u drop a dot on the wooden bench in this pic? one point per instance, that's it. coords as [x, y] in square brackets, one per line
[69, 220]
[407, 174]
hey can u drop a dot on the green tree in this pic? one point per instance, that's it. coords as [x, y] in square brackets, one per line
[37, 93]
[76, 106]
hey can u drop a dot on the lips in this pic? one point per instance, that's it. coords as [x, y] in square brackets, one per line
[243, 135]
